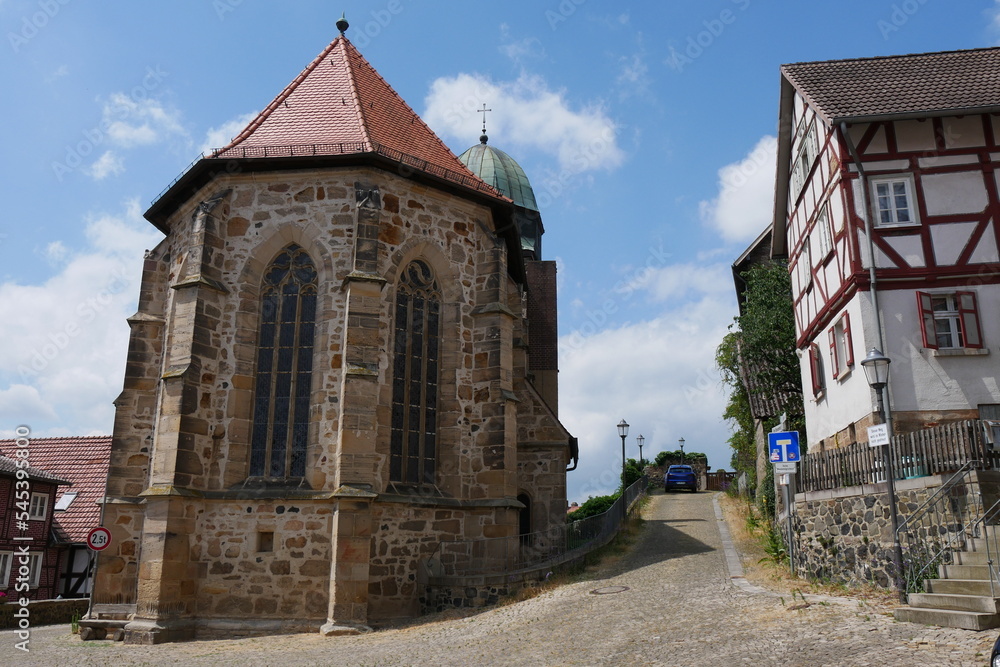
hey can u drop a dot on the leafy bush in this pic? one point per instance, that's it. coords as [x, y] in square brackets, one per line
[593, 507]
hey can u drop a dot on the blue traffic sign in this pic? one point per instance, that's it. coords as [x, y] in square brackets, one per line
[783, 447]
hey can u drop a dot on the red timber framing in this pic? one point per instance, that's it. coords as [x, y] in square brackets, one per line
[879, 149]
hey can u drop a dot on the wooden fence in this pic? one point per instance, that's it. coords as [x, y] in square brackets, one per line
[933, 451]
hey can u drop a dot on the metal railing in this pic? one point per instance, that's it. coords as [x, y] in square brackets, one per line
[502, 555]
[940, 526]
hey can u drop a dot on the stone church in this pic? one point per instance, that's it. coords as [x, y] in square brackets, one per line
[344, 353]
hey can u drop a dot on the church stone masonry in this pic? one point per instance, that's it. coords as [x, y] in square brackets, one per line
[331, 370]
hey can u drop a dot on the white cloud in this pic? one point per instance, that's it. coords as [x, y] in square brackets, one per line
[65, 340]
[743, 207]
[55, 252]
[218, 137]
[659, 375]
[109, 164]
[132, 122]
[526, 114]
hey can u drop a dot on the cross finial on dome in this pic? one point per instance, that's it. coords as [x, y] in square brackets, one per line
[342, 24]
[483, 139]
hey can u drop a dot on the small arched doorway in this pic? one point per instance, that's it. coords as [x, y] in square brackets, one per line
[524, 519]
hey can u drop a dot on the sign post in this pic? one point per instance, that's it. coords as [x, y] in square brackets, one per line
[783, 453]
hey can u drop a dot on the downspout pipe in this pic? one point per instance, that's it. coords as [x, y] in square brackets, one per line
[873, 279]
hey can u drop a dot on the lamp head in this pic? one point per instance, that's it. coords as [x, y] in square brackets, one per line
[623, 428]
[876, 367]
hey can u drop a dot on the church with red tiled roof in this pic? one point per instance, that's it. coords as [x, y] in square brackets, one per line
[341, 381]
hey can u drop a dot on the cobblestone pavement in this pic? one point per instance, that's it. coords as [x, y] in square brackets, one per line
[677, 606]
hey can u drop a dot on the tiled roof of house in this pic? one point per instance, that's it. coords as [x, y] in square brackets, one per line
[9, 466]
[83, 461]
[922, 83]
[339, 105]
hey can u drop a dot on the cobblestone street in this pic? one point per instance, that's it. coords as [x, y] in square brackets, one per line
[677, 605]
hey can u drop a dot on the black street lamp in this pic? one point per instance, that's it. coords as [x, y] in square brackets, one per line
[623, 432]
[640, 440]
[682, 449]
[876, 367]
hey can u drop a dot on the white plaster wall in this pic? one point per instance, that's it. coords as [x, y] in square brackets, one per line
[959, 192]
[846, 399]
[922, 379]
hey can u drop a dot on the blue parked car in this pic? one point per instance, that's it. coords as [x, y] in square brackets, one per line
[680, 477]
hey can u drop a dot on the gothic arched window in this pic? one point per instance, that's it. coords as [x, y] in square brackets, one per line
[416, 341]
[284, 366]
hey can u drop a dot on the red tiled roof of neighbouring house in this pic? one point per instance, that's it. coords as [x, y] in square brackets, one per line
[10, 466]
[922, 83]
[84, 462]
[339, 105]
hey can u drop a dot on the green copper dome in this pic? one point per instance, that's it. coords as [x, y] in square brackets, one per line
[501, 171]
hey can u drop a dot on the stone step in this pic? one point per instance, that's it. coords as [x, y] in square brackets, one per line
[964, 572]
[961, 587]
[978, 603]
[975, 557]
[948, 618]
[984, 544]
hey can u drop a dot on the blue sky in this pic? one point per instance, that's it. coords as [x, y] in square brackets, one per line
[647, 130]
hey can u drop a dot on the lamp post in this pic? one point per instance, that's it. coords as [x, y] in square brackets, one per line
[876, 367]
[640, 440]
[681, 441]
[623, 432]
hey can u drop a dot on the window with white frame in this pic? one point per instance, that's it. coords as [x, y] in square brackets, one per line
[6, 557]
[34, 568]
[804, 264]
[841, 347]
[893, 201]
[949, 320]
[808, 151]
[823, 231]
[816, 370]
[39, 505]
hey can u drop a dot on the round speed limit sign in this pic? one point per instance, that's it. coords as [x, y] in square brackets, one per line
[99, 538]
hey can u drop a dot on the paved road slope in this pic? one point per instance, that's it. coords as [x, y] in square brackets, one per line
[680, 608]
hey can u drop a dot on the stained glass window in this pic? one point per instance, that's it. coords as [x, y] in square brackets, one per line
[416, 342]
[284, 366]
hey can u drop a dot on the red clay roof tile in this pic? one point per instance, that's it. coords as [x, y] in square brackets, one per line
[339, 105]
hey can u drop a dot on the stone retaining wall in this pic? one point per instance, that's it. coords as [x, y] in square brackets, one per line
[845, 535]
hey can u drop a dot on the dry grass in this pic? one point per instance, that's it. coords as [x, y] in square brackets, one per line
[763, 572]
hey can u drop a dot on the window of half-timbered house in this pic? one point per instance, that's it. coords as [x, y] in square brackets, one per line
[949, 321]
[893, 201]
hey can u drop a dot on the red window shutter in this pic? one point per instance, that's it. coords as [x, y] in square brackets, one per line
[927, 320]
[832, 333]
[848, 343]
[968, 315]
[814, 367]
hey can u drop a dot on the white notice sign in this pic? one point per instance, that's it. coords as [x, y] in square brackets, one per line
[785, 468]
[878, 435]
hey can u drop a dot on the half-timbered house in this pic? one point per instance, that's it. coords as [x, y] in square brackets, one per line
[886, 207]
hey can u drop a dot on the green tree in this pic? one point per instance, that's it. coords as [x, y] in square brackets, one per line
[758, 361]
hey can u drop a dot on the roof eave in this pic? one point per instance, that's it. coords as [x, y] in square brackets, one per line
[910, 115]
[784, 153]
[205, 170]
